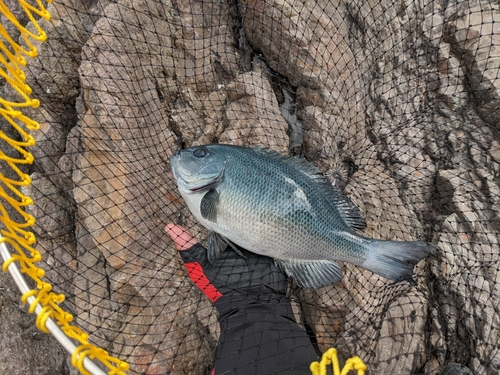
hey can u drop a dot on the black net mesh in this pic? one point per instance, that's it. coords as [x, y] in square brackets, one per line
[396, 102]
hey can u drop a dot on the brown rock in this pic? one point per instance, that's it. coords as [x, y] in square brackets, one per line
[125, 196]
[253, 115]
[383, 93]
[474, 38]
[53, 211]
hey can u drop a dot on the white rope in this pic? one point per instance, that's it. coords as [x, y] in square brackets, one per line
[52, 326]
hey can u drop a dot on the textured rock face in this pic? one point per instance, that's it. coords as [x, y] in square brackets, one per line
[398, 105]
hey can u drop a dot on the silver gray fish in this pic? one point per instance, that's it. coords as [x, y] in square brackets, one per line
[282, 207]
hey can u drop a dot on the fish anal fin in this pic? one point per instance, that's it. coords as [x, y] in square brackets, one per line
[311, 274]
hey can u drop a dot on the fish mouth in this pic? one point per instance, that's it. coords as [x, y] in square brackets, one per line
[188, 186]
[205, 187]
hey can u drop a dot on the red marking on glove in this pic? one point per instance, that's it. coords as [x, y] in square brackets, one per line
[198, 276]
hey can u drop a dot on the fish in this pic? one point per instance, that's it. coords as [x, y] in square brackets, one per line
[284, 208]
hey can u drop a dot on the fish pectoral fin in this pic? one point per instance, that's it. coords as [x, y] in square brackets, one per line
[215, 246]
[208, 205]
[311, 274]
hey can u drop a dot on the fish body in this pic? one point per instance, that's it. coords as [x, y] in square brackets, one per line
[284, 208]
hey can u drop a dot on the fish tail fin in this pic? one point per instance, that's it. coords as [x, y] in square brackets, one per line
[395, 259]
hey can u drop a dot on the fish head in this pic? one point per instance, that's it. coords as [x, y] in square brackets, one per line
[197, 168]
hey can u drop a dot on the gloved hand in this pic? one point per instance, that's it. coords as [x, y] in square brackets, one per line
[259, 334]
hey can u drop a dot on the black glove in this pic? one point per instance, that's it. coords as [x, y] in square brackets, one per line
[259, 334]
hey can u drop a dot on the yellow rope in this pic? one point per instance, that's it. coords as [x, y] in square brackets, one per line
[330, 358]
[17, 233]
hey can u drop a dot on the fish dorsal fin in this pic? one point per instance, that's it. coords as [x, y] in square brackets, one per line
[301, 164]
[349, 213]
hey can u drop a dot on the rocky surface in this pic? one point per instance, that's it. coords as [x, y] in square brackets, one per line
[398, 105]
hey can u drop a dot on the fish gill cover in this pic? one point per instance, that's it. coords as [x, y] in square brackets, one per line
[396, 102]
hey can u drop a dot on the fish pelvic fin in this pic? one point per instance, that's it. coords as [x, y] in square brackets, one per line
[311, 274]
[217, 244]
[395, 259]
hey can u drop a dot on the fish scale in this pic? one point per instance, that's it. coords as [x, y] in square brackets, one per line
[284, 208]
[287, 224]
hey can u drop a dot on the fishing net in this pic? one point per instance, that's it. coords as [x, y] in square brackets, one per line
[396, 102]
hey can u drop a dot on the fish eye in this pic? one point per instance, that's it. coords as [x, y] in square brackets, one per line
[199, 153]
